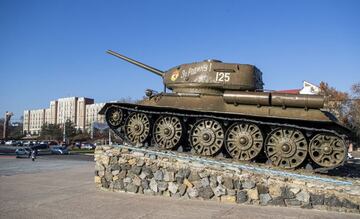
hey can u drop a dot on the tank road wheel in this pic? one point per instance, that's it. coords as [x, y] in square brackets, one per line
[114, 116]
[207, 137]
[167, 132]
[327, 150]
[137, 128]
[244, 141]
[286, 148]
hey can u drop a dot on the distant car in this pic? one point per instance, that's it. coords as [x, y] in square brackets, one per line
[2, 142]
[88, 146]
[57, 149]
[23, 152]
[41, 149]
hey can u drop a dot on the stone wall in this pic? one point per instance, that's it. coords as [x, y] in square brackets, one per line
[145, 172]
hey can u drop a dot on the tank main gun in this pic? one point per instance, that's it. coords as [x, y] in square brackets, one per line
[141, 65]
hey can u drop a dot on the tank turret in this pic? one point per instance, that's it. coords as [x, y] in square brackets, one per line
[206, 77]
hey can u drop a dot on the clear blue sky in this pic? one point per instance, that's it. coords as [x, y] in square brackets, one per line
[52, 49]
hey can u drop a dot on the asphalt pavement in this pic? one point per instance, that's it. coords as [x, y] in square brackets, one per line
[63, 187]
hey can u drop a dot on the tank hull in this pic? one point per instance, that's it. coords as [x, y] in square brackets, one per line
[193, 111]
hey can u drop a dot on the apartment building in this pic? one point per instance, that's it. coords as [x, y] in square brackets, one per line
[81, 111]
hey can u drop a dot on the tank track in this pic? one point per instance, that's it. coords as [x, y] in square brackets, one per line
[189, 120]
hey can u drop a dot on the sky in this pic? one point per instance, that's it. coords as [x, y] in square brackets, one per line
[57, 48]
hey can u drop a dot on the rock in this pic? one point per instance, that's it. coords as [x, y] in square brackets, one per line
[192, 192]
[262, 189]
[132, 161]
[115, 172]
[101, 173]
[115, 178]
[122, 174]
[97, 179]
[228, 198]
[188, 183]
[286, 193]
[99, 166]
[303, 196]
[108, 176]
[292, 202]
[248, 184]
[332, 201]
[142, 175]
[153, 185]
[122, 160]
[194, 176]
[253, 194]
[118, 185]
[181, 175]
[295, 190]
[228, 183]
[135, 170]
[219, 179]
[149, 192]
[162, 186]
[203, 174]
[152, 156]
[127, 180]
[166, 193]
[147, 172]
[317, 199]
[237, 184]
[182, 189]
[219, 190]
[348, 204]
[241, 197]
[275, 190]
[205, 182]
[145, 184]
[264, 198]
[278, 201]
[136, 181]
[169, 176]
[213, 181]
[113, 160]
[158, 175]
[140, 163]
[173, 187]
[206, 192]
[230, 192]
[104, 183]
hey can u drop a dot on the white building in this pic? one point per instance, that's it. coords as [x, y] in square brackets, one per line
[81, 111]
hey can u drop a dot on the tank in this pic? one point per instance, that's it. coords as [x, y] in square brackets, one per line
[217, 107]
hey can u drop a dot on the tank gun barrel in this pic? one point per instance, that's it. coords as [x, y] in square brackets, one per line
[141, 65]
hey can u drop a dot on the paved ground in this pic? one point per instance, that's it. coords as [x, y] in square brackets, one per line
[60, 187]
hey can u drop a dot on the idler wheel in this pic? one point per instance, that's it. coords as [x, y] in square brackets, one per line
[244, 141]
[114, 116]
[137, 128]
[168, 132]
[207, 137]
[327, 150]
[286, 148]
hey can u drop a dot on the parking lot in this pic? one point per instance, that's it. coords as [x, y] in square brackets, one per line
[62, 186]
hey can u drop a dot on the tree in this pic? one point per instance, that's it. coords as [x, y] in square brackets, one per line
[16, 131]
[1, 127]
[51, 132]
[354, 110]
[337, 101]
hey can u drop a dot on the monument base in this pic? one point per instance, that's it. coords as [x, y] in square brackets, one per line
[155, 172]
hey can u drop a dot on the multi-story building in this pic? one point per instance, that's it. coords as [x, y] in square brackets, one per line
[81, 111]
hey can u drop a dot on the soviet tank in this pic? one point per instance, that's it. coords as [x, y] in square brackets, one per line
[217, 107]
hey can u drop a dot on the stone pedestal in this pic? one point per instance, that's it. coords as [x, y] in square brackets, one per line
[152, 172]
